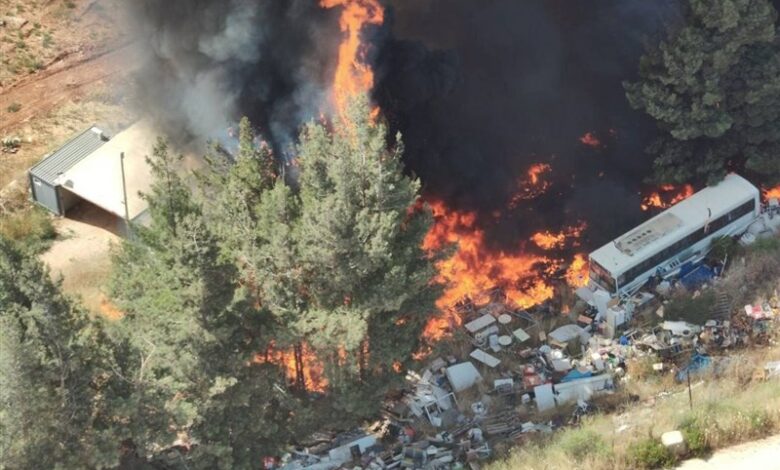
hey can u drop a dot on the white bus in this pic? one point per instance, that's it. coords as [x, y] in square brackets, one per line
[681, 234]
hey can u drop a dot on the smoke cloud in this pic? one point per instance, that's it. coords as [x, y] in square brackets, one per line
[481, 90]
[209, 62]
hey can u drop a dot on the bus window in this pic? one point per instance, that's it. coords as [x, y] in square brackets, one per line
[602, 277]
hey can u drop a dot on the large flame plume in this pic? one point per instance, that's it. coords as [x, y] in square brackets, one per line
[474, 269]
[354, 75]
[667, 196]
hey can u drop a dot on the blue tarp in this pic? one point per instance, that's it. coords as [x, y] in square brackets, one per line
[698, 364]
[695, 278]
[575, 375]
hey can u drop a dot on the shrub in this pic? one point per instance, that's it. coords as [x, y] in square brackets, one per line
[694, 432]
[649, 453]
[31, 227]
[14, 108]
[579, 443]
[696, 311]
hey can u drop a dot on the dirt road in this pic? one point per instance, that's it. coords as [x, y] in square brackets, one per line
[763, 454]
[40, 93]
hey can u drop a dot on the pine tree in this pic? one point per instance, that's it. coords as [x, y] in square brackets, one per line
[713, 89]
[58, 385]
[359, 243]
[188, 340]
[169, 197]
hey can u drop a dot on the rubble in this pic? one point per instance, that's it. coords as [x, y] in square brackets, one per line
[511, 375]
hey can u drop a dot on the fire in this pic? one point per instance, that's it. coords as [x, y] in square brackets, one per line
[667, 196]
[536, 171]
[353, 75]
[578, 273]
[552, 240]
[310, 366]
[109, 310]
[590, 140]
[473, 269]
[772, 193]
[532, 185]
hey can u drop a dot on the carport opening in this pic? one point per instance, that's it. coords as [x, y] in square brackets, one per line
[84, 211]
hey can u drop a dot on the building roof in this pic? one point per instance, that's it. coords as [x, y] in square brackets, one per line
[674, 223]
[98, 176]
[70, 154]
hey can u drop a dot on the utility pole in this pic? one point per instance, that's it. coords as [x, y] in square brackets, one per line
[690, 395]
[124, 194]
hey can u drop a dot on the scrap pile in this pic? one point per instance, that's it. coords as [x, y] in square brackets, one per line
[513, 376]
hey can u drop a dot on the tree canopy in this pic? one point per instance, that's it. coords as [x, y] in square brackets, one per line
[239, 277]
[713, 87]
[58, 385]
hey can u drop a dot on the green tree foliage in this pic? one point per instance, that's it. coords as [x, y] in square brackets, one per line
[57, 383]
[188, 339]
[359, 242]
[336, 261]
[713, 86]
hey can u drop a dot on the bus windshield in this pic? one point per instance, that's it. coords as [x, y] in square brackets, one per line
[602, 277]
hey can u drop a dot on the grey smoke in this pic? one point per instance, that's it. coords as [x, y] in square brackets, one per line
[210, 62]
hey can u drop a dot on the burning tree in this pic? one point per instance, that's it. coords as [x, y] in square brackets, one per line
[336, 259]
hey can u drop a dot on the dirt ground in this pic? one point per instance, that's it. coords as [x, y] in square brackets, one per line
[81, 254]
[81, 78]
[763, 454]
[41, 36]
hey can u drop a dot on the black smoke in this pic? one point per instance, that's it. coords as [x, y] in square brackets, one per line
[480, 89]
[483, 89]
[209, 62]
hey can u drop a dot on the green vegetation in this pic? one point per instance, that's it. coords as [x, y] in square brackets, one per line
[59, 388]
[223, 281]
[31, 227]
[14, 108]
[714, 90]
[693, 310]
[727, 410]
[649, 453]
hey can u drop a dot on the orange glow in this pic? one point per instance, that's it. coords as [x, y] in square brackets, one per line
[109, 310]
[313, 370]
[353, 75]
[590, 140]
[578, 273]
[772, 193]
[667, 196]
[532, 185]
[550, 240]
[473, 269]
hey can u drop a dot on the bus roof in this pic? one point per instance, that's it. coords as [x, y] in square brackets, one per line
[674, 223]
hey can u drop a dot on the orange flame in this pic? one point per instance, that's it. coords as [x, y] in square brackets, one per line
[590, 140]
[353, 75]
[578, 273]
[772, 193]
[313, 370]
[667, 196]
[532, 185]
[474, 269]
[551, 240]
